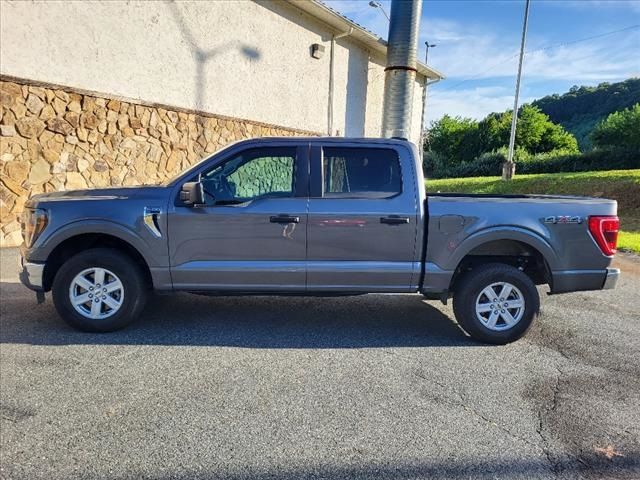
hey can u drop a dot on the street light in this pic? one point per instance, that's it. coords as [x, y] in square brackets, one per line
[426, 55]
[375, 4]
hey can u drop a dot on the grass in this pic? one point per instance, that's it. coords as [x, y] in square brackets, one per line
[620, 185]
[629, 241]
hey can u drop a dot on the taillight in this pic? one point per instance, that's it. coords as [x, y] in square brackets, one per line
[604, 230]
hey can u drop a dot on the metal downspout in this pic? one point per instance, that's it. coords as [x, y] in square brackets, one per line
[400, 73]
[331, 79]
[427, 83]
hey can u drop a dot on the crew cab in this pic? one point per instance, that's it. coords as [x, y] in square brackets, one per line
[319, 217]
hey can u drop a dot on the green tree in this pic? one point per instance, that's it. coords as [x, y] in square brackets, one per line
[555, 137]
[620, 129]
[532, 125]
[453, 139]
[494, 131]
[535, 133]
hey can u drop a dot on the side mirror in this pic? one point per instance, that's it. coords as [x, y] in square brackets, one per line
[192, 193]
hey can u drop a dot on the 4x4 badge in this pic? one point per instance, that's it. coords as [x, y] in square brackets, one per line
[563, 219]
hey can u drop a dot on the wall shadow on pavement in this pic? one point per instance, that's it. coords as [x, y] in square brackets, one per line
[366, 321]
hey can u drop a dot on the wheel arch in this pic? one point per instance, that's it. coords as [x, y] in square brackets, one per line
[73, 244]
[514, 246]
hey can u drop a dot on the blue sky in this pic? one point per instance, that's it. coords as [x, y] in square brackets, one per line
[478, 43]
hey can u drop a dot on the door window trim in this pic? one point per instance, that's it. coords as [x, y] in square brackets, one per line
[300, 169]
[316, 183]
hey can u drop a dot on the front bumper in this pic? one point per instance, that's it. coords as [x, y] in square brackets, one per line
[32, 275]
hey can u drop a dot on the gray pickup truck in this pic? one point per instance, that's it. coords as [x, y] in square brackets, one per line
[314, 216]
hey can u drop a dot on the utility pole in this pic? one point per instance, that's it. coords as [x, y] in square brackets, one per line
[509, 167]
[424, 98]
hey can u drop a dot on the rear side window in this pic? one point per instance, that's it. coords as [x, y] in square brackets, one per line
[360, 173]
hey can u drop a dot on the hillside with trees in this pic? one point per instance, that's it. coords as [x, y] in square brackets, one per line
[462, 147]
[582, 108]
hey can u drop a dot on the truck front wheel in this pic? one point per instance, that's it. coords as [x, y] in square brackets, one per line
[99, 290]
[495, 303]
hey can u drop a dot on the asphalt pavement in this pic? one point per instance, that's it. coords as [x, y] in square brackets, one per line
[375, 386]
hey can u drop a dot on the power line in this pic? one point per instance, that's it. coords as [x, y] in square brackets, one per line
[563, 44]
[539, 49]
[441, 102]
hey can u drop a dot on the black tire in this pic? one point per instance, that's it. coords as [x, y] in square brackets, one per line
[468, 290]
[135, 289]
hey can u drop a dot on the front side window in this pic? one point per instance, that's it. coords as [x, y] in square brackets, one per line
[250, 175]
[360, 173]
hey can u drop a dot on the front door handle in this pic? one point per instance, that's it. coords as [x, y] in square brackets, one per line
[394, 220]
[284, 219]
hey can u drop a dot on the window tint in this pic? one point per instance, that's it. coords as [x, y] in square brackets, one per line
[360, 173]
[256, 173]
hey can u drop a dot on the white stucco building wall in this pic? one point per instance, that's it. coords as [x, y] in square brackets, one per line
[244, 59]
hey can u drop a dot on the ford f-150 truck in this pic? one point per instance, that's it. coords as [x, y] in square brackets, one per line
[314, 216]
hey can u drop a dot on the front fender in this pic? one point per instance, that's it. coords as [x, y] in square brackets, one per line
[49, 241]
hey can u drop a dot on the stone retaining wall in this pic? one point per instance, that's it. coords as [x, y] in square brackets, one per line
[59, 138]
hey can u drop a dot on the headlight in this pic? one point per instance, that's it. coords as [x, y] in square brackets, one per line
[34, 222]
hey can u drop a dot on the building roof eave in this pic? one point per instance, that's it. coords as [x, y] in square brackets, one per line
[342, 24]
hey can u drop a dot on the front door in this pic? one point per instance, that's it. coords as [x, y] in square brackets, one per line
[362, 233]
[250, 235]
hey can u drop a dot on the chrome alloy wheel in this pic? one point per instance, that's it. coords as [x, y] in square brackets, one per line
[96, 293]
[500, 306]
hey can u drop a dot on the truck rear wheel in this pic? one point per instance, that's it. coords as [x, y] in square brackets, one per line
[99, 290]
[496, 303]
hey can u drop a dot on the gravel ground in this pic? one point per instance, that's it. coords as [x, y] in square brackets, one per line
[374, 386]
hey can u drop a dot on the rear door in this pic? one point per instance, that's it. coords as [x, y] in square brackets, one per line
[363, 218]
[250, 235]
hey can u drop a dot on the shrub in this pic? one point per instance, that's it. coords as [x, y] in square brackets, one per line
[490, 164]
[606, 159]
[433, 162]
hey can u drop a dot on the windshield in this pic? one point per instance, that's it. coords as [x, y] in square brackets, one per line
[171, 180]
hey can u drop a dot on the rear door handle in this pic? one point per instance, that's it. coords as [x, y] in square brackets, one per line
[394, 220]
[284, 219]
